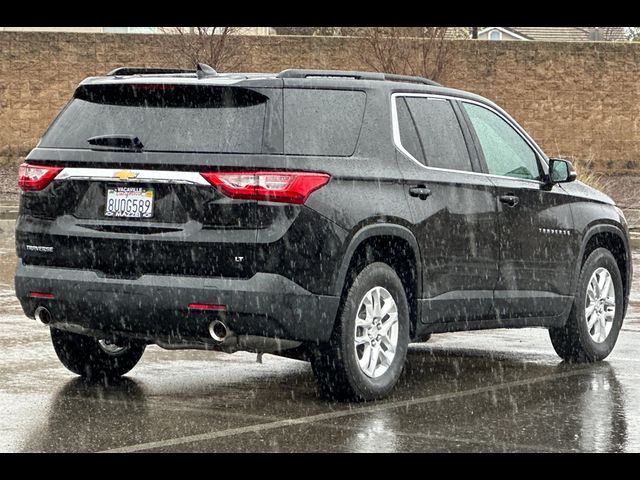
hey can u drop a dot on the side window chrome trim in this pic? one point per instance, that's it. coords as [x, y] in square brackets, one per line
[519, 130]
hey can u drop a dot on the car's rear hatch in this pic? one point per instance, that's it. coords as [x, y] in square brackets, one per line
[130, 198]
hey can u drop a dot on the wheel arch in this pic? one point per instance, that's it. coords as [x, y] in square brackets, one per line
[388, 236]
[613, 239]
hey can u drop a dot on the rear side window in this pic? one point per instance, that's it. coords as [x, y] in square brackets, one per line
[439, 133]
[322, 122]
[164, 117]
[408, 134]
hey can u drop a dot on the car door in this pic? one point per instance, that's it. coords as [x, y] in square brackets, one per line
[453, 208]
[537, 240]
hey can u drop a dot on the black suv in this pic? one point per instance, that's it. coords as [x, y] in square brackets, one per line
[325, 215]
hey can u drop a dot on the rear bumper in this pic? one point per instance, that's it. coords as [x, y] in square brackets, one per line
[155, 307]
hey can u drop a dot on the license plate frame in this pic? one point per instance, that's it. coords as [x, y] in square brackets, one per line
[129, 202]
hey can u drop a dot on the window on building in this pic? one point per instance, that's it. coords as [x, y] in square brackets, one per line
[495, 35]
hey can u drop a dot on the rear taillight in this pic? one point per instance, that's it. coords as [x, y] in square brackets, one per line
[36, 177]
[285, 187]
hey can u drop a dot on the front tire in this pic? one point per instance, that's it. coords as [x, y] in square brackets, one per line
[595, 320]
[92, 358]
[366, 353]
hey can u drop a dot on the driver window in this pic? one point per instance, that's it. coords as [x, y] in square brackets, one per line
[505, 151]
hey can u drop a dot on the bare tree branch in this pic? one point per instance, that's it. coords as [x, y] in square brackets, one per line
[419, 51]
[210, 45]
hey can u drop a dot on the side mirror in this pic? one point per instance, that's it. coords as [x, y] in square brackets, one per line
[561, 171]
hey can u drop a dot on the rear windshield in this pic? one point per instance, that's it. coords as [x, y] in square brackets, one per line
[164, 117]
[322, 122]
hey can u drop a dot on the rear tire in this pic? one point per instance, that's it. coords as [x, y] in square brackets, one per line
[363, 361]
[595, 320]
[92, 358]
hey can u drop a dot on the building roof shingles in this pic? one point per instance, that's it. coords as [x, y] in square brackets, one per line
[569, 34]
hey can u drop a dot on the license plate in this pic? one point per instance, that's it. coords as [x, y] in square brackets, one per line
[129, 202]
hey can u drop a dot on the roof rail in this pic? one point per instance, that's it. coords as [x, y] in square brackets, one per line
[124, 71]
[392, 77]
[409, 78]
[303, 73]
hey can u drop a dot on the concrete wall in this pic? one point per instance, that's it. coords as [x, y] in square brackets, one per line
[579, 100]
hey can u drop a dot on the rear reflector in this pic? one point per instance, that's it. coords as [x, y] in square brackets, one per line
[207, 306]
[48, 296]
[36, 177]
[284, 187]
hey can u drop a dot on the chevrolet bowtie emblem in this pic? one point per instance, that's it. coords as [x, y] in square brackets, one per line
[125, 175]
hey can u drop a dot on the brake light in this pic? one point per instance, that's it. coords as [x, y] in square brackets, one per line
[284, 187]
[36, 177]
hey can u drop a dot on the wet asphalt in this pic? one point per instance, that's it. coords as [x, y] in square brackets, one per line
[492, 391]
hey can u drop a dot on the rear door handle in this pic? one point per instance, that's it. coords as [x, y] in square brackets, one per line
[420, 191]
[511, 200]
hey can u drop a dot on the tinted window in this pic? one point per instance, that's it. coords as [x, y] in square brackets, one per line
[505, 151]
[439, 133]
[408, 133]
[164, 118]
[322, 122]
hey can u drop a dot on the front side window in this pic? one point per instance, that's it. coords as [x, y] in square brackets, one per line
[505, 151]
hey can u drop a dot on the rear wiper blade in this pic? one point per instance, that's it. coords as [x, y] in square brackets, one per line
[125, 142]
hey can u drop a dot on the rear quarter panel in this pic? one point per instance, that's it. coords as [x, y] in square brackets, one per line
[365, 189]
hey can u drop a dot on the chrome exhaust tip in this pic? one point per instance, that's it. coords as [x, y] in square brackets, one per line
[218, 331]
[43, 315]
